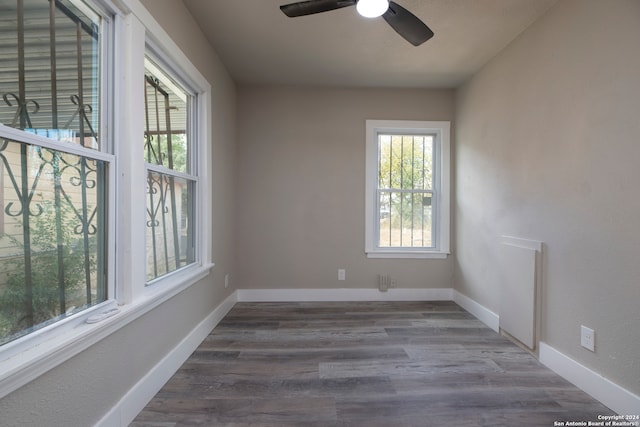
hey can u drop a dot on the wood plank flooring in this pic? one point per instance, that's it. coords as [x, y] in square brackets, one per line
[362, 364]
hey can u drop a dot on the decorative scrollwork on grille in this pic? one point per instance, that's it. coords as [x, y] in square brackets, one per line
[22, 109]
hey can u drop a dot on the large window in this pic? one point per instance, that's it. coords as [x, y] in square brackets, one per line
[407, 189]
[54, 164]
[102, 212]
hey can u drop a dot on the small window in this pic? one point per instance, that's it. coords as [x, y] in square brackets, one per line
[407, 189]
[171, 172]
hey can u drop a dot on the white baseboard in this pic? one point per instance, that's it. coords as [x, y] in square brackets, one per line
[343, 294]
[483, 314]
[618, 399]
[125, 411]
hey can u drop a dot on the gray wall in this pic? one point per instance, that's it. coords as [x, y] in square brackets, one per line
[300, 199]
[548, 148]
[80, 391]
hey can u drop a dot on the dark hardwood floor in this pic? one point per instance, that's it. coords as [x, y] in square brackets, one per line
[362, 364]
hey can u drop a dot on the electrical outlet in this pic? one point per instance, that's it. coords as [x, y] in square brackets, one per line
[394, 283]
[226, 281]
[587, 338]
[342, 274]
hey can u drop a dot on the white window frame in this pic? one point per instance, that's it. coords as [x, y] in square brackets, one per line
[160, 62]
[441, 190]
[25, 359]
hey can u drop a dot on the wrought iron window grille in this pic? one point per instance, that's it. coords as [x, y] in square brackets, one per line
[52, 188]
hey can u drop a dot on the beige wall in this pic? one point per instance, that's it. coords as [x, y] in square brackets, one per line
[80, 391]
[300, 199]
[548, 149]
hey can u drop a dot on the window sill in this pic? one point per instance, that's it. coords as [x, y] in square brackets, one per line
[408, 255]
[25, 366]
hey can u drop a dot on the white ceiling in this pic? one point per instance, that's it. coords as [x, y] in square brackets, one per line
[260, 45]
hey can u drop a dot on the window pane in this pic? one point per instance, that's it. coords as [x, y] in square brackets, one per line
[405, 219]
[50, 69]
[395, 161]
[384, 219]
[422, 161]
[167, 115]
[405, 162]
[52, 248]
[421, 220]
[169, 224]
[384, 161]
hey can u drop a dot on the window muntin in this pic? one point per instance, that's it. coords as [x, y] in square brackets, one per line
[171, 184]
[407, 189]
[53, 248]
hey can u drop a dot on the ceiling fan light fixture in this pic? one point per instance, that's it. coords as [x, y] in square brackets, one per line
[372, 8]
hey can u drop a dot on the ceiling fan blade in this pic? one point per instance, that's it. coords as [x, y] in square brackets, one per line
[407, 24]
[310, 7]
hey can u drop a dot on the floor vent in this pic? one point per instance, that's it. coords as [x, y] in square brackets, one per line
[384, 282]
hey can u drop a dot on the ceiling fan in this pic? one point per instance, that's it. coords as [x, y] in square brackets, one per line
[401, 20]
